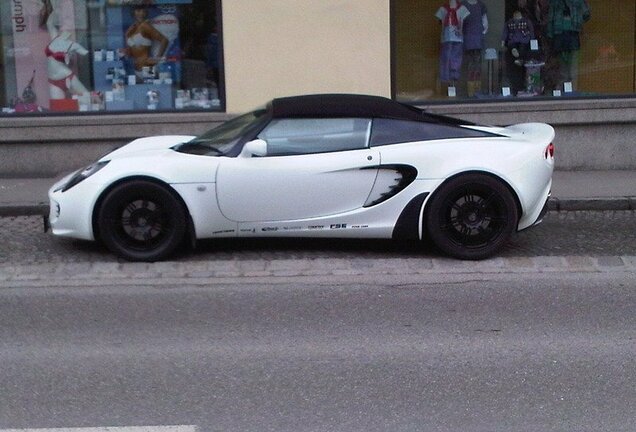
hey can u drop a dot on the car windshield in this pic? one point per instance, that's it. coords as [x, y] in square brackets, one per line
[223, 138]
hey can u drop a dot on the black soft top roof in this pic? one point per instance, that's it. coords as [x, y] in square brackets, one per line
[351, 105]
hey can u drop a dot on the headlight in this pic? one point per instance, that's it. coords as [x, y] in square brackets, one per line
[84, 174]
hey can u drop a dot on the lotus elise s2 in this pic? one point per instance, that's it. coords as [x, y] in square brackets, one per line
[340, 166]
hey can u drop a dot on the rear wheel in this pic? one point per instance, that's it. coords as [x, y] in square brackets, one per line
[471, 216]
[141, 221]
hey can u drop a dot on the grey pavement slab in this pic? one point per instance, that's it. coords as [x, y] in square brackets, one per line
[299, 271]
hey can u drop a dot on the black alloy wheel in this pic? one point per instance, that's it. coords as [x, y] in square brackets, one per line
[471, 216]
[141, 221]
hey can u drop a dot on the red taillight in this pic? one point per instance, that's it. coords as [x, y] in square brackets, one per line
[549, 151]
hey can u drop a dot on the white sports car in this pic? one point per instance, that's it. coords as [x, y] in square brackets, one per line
[339, 166]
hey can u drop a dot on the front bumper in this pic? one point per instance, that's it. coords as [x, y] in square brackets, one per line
[70, 213]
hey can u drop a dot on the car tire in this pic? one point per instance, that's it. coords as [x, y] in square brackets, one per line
[471, 216]
[141, 221]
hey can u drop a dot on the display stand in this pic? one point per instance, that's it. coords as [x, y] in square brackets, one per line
[103, 74]
[534, 84]
[138, 94]
[125, 105]
[490, 56]
[63, 105]
[135, 96]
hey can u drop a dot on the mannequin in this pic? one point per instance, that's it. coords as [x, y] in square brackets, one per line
[475, 28]
[516, 37]
[451, 15]
[63, 83]
[537, 12]
[565, 22]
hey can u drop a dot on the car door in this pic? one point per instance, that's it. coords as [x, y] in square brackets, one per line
[313, 168]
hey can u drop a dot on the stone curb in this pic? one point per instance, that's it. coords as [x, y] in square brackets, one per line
[78, 274]
[592, 204]
[555, 204]
[7, 210]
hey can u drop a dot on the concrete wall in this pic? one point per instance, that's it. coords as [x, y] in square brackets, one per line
[327, 46]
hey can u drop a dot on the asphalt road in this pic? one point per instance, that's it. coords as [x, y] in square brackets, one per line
[533, 352]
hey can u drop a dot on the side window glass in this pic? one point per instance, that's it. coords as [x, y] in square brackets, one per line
[305, 136]
[386, 131]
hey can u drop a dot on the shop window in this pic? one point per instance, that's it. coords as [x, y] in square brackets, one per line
[451, 50]
[65, 56]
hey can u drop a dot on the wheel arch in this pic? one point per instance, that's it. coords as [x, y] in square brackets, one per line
[96, 208]
[410, 222]
[494, 176]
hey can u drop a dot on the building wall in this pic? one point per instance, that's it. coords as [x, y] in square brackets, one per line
[326, 46]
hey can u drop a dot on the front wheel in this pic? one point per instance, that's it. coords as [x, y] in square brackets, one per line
[471, 216]
[141, 221]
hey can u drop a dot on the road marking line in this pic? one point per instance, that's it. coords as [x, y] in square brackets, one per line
[179, 428]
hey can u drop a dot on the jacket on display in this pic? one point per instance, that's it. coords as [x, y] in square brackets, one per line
[567, 15]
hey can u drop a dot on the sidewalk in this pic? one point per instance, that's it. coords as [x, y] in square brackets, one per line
[571, 190]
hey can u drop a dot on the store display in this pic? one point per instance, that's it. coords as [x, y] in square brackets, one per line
[152, 97]
[534, 84]
[28, 102]
[515, 39]
[122, 56]
[475, 28]
[451, 15]
[491, 56]
[140, 37]
[465, 25]
[548, 45]
[63, 82]
[565, 22]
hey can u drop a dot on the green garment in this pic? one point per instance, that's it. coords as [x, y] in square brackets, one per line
[567, 15]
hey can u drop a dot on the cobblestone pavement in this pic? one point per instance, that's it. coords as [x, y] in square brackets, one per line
[588, 241]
